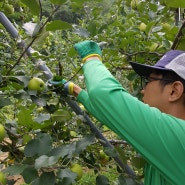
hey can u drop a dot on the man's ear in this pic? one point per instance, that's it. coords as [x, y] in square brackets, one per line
[177, 90]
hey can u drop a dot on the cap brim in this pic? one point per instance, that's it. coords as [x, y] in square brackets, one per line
[143, 69]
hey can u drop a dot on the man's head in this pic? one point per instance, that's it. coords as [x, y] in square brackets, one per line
[165, 80]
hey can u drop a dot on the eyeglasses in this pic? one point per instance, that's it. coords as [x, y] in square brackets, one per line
[147, 79]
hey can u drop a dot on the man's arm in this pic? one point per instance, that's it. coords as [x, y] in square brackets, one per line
[147, 129]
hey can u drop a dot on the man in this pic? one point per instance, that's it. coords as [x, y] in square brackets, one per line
[154, 127]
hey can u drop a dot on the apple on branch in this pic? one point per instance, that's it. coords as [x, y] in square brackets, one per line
[134, 4]
[166, 26]
[142, 27]
[36, 84]
[8, 9]
[76, 168]
[153, 46]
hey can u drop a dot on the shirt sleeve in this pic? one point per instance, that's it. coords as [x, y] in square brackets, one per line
[159, 137]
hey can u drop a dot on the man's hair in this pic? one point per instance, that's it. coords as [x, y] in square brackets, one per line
[171, 76]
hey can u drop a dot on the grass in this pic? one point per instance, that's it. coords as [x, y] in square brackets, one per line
[89, 177]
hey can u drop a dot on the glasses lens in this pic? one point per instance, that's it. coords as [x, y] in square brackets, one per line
[144, 81]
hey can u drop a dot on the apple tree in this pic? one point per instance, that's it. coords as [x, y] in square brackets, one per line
[47, 141]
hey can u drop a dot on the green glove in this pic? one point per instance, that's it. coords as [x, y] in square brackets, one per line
[87, 49]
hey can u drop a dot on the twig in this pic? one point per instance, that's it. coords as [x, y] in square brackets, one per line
[34, 38]
[13, 134]
[141, 52]
[118, 142]
[178, 36]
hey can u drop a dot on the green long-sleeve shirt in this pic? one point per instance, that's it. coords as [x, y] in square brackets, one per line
[159, 137]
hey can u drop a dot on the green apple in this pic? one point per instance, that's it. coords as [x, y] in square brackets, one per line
[102, 154]
[105, 128]
[142, 27]
[166, 26]
[73, 133]
[76, 168]
[36, 84]
[103, 157]
[134, 4]
[2, 133]
[40, 109]
[2, 178]
[8, 9]
[153, 46]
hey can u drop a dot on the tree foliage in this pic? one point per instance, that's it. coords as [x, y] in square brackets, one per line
[44, 136]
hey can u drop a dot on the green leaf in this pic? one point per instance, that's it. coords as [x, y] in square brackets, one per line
[21, 94]
[65, 181]
[46, 178]
[29, 174]
[82, 144]
[81, 32]
[61, 116]
[58, 25]
[22, 79]
[4, 102]
[138, 162]
[73, 148]
[42, 117]
[77, 3]
[92, 28]
[121, 180]
[33, 6]
[45, 161]
[39, 101]
[156, 28]
[39, 146]
[110, 151]
[127, 181]
[131, 181]
[153, 7]
[67, 175]
[25, 118]
[122, 154]
[15, 169]
[181, 44]
[82, 1]
[166, 44]
[59, 2]
[43, 35]
[71, 52]
[102, 180]
[64, 150]
[175, 4]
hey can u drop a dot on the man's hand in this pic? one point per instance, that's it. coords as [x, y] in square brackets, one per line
[65, 87]
[62, 86]
[88, 49]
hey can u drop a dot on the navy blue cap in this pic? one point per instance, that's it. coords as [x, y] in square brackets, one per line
[173, 60]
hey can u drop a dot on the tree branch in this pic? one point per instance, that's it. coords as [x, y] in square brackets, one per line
[34, 38]
[178, 36]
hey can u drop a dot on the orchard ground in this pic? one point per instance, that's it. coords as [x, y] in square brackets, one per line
[3, 157]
